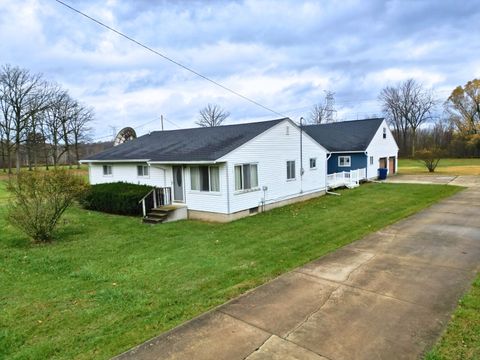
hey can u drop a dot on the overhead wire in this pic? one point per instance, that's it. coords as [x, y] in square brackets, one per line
[168, 58]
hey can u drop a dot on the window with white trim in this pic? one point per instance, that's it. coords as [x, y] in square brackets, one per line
[246, 177]
[313, 163]
[107, 170]
[344, 161]
[205, 178]
[384, 132]
[143, 171]
[291, 170]
[371, 160]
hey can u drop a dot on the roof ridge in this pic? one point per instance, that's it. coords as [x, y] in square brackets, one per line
[347, 121]
[221, 126]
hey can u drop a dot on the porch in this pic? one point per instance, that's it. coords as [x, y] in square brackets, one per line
[158, 207]
[350, 179]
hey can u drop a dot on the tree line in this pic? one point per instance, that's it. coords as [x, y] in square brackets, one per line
[40, 123]
[419, 120]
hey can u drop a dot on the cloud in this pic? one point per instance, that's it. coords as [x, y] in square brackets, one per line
[283, 54]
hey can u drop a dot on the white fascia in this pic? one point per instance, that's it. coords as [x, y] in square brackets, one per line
[114, 161]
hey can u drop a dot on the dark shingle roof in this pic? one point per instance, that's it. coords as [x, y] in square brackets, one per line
[354, 135]
[196, 144]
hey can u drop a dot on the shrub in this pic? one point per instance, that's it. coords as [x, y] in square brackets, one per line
[115, 198]
[430, 158]
[40, 199]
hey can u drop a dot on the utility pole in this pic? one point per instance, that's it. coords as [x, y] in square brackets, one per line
[161, 119]
[114, 131]
[330, 106]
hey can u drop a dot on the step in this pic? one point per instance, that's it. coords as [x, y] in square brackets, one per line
[164, 209]
[150, 220]
[157, 215]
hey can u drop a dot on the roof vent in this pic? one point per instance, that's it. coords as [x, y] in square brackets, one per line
[287, 130]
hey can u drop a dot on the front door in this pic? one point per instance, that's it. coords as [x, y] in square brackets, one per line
[177, 183]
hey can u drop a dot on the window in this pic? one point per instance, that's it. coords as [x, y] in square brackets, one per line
[291, 170]
[384, 133]
[287, 130]
[313, 163]
[371, 160]
[246, 177]
[205, 178]
[107, 170]
[344, 161]
[143, 170]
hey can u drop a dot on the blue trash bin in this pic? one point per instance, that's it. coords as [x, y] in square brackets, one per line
[382, 173]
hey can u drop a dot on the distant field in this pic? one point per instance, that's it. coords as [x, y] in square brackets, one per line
[82, 171]
[445, 167]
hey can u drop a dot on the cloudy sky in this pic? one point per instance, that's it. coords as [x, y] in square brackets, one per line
[282, 54]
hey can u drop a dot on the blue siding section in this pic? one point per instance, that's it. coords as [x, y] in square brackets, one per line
[358, 161]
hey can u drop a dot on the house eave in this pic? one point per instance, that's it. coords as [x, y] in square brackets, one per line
[114, 161]
[185, 162]
[347, 152]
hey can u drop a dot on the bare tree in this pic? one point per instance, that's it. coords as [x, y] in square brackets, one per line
[80, 129]
[407, 106]
[53, 125]
[392, 107]
[318, 114]
[6, 126]
[25, 96]
[419, 104]
[212, 115]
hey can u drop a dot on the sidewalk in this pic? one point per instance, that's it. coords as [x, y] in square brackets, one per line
[386, 296]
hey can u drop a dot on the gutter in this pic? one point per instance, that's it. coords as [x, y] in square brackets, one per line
[113, 161]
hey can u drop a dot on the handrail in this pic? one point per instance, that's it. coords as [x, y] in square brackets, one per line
[151, 191]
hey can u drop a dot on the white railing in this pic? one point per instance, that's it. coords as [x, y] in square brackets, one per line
[349, 179]
[155, 198]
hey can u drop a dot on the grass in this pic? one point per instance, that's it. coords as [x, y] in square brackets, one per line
[461, 340]
[445, 167]
[109, 282]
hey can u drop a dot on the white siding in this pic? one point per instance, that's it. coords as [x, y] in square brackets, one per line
[204, 200]
[271, 150]
[380, 147]
[127, 172]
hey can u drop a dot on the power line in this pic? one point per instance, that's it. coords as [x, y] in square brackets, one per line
[168, 58]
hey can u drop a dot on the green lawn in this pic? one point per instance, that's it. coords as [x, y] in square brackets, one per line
[461, 340]
[445, 167]
[109, 282]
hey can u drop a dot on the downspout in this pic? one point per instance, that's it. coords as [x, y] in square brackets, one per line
[228, 188]
[301, 156]
[366, 167]
[326, 173]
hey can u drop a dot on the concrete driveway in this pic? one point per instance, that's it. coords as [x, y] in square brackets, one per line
[386, 296]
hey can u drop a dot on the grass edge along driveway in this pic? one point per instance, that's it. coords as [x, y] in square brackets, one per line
[461, 339]
[109, 282]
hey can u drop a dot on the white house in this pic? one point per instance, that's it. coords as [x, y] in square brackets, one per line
[358, 144]
[219, 173]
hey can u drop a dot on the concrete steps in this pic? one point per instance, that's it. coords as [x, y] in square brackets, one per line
[158, 215]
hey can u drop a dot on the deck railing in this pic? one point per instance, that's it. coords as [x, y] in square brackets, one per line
[158, 196]
[349, 179]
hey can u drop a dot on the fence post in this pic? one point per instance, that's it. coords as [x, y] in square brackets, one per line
[154, 198]
[143, 207]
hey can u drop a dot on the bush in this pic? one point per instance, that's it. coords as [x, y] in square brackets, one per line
[40, 199]
[115, 198]
[430, 158]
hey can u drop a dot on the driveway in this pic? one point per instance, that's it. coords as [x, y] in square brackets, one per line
[386, 296]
